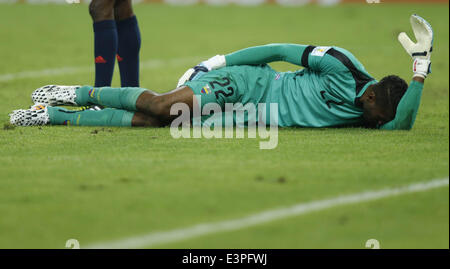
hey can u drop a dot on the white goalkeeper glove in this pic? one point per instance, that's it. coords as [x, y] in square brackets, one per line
[420, 51]
[213, 63]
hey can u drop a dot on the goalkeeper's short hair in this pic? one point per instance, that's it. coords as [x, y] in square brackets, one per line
[388, 93]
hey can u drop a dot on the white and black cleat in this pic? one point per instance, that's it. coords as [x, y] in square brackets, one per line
[36, 115]
[54, 95]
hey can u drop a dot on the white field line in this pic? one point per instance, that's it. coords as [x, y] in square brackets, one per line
[149, 64]
[155, 238]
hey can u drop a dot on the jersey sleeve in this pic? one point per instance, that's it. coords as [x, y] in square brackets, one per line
[320, 59]
[323, 59]
[290, 53]
[407, 108]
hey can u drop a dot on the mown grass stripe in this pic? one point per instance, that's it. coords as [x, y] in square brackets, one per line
[155, 238]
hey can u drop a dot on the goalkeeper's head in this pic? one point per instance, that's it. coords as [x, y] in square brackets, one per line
[380, 101]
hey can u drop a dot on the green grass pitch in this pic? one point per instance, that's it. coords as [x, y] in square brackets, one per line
[101, 184]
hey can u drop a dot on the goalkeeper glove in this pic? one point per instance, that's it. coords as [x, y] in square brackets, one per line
[199, 70]
[192, 74]
[420, 51]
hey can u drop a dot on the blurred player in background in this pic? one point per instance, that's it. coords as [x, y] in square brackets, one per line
[116, 34]
[332, 90]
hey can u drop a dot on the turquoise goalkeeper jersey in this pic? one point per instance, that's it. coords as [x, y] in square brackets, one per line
[326, 92]
[323, 94]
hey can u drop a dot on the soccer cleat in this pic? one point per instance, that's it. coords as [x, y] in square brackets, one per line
[36, 115]
[54, 95]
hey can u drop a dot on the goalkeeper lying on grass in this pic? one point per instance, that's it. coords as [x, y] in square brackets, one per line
[333, 89]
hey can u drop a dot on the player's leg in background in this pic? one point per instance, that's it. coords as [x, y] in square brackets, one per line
[129, 43]
[105, 40]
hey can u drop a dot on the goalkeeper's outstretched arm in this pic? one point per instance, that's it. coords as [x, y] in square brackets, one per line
[291, 53]
[420, 52]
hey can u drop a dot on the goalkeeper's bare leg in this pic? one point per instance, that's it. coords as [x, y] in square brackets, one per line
[158, 105]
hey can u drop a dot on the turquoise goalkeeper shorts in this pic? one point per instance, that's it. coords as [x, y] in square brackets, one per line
[236, 85]
[242, 84]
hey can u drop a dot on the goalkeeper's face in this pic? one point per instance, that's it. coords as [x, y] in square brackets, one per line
[381, 100]
[374, 114]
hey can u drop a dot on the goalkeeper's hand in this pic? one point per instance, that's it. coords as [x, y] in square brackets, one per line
[199, 70]
[192, 74]
[421, 50]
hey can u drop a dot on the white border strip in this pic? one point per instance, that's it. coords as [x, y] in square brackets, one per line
[155, 238]
[150, 64]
